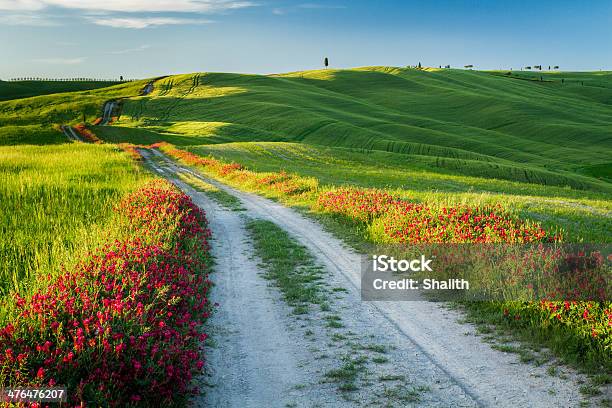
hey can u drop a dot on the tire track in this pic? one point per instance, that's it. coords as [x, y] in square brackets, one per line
[195, 82]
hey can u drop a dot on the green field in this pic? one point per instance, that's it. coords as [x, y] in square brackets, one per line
[55, 194]
[469, 122]
[541, 147]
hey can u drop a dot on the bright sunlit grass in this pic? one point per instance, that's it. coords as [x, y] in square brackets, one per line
[54, 198]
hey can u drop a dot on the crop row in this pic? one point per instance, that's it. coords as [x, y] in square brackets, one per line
[125, 325]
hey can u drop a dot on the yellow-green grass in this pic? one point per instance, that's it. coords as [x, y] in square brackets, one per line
[468, 121]
[26, 89]
[54, 201]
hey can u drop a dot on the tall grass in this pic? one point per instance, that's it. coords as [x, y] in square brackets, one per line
[53, 201]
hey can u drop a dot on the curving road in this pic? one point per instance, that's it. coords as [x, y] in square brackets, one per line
[441, 348]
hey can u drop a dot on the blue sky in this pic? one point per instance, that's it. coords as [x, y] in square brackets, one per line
[144, 38]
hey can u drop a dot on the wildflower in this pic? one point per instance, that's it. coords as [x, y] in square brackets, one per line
[90, 331]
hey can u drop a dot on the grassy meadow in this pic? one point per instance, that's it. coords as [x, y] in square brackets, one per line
[466, 122]
[537, 143]
[54, 201]
[540, 146]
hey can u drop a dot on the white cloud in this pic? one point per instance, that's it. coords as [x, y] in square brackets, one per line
[60, 61]
[116, 13]
[21, 5]
[127, 6]
[144, 22]
[130, 50]
[27, 20]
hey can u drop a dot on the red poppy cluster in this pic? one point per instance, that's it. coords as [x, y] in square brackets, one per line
[397, 220]
[125, 326]
[580, 278]
[358, 204]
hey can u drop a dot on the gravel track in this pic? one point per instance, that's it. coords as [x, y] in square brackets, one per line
[107, 112]
[71, 134]
[255, 360]
[429, 342]
[149, 87]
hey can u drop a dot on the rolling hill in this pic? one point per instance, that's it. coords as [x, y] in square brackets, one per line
[31, 120]
[522, 126]
[483, 123]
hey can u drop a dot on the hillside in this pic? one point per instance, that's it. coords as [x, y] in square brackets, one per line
[31, 120]
[471, 122]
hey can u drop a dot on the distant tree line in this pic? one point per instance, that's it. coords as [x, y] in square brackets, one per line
[471, 66]
[539, 67]
[70, 79]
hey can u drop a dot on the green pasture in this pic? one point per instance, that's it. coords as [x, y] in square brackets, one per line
[53, 201]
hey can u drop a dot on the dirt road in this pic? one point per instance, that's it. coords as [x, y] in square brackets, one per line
[148, 88]
[429, 343]
[107, 112]
[71, 134]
